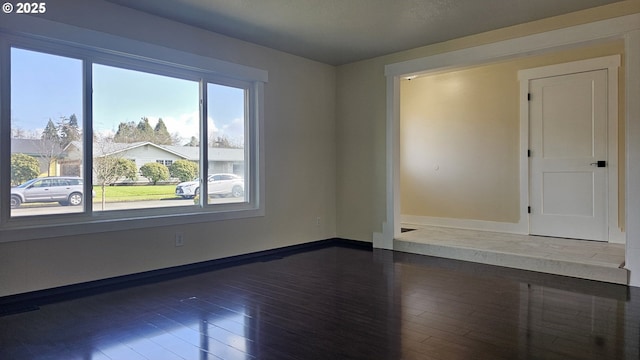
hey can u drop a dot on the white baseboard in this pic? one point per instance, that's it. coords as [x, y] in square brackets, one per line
[617, 236]
[467, 224]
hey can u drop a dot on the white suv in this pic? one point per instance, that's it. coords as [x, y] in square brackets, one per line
[219, 184]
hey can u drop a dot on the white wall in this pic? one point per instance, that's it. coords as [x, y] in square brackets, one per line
[300, 159]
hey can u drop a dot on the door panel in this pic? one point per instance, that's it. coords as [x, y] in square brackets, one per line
[568, 120]
[563, 193]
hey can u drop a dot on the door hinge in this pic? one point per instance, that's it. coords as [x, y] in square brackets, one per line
[529, 97]
[528, 209]
[528, 153]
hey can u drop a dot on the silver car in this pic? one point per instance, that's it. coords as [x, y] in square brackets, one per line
[63, 190]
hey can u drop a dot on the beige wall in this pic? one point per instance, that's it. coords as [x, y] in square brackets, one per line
[361, 118]
[459, 141]
[300, 167]
[325, 154]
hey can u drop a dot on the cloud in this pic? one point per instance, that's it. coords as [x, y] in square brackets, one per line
[185, 125]
[234, 130]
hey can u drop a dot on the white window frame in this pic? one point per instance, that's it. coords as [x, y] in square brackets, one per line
[100, 48]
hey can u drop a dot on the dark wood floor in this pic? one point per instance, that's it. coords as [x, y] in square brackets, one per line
[339, 303]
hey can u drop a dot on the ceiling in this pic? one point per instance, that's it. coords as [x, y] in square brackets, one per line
[337, 32]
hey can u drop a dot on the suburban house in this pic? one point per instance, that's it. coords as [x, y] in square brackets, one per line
[221, 160]
[68, 161]
[423, 180]
[49, 165]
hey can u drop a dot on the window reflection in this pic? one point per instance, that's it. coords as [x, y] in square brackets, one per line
[204, 336]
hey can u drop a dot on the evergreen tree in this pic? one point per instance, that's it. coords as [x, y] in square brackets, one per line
[145, 131]
[127, 133]
[161, 134]
[50, 133]
[69, 130]
[50, 147]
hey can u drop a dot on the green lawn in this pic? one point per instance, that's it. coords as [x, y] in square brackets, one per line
[135, 193]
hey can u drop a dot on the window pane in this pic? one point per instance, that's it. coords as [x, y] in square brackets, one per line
[46, 134]
[226, 141]
[146, 131]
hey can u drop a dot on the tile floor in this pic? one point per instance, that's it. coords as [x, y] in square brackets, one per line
[577, 258]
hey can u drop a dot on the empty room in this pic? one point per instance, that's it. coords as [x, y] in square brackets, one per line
[204, 179]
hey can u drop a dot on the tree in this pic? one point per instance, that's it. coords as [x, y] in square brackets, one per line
[23, 168]
[161, 134]
[176, 139]
[69, 130]
[154, 172]
[19, 133]
[223, 142]
[184, 170]
[130, 132]
[50, 146]
[109, 169]
[144, 130]
[193, 142]
[110, 166]
[50, 132]
[127, 132]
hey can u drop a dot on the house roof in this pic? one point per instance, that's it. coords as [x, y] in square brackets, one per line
[32, 147]
[215, 154]
[185, 152]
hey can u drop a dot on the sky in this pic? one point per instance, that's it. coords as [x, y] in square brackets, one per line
[45, 86]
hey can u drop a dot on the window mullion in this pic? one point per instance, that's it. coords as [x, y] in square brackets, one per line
[5, 129]
[87, 134]
[204, 148]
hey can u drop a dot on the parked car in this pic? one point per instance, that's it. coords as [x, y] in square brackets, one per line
[219, 184]
[65, 190]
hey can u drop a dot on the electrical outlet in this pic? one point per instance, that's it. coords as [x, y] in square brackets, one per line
[318, 221]
[179, 239]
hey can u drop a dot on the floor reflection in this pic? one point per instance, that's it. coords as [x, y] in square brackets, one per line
[338, 303]
[186, 331]
[463, 310]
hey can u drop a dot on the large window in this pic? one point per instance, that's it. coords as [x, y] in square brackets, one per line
[46, 122]
[97, 137]
[145, 117]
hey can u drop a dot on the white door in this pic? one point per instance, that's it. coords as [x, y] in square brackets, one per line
[568, 137]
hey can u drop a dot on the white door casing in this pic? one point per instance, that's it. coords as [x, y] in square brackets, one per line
[571, 119]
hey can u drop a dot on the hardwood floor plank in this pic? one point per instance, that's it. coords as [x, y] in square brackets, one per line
[338, 303]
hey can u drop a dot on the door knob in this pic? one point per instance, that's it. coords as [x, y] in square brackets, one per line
[600, 163]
